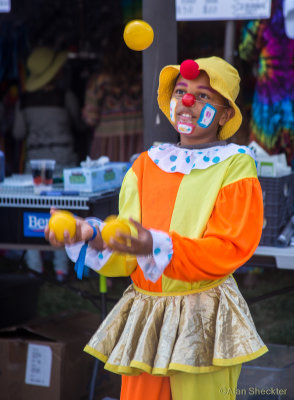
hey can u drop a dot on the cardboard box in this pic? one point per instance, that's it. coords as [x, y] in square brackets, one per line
[108, 176]
[44, 360]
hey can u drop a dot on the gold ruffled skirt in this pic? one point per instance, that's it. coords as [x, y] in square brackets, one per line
[193, 333]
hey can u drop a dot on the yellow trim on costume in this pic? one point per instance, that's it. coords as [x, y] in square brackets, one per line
[170, 285]
[225, 362]
[210, 285]
[136, 367]
[172, 368]
[192, 370]
[122, 370]
[88, 349]
[141, 366]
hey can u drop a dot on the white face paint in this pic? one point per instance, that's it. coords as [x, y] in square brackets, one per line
[207, 116]
[185, 129]
[172, 109]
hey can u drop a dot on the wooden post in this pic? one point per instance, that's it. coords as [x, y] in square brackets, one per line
[160, 14]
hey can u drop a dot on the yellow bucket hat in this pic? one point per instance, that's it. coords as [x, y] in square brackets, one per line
[43, 64]
[223, 77]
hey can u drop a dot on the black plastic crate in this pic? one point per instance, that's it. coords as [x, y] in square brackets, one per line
[278, 201]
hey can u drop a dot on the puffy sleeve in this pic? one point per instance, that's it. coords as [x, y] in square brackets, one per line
[229, 240]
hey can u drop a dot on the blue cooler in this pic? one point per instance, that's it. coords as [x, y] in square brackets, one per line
[2, 166]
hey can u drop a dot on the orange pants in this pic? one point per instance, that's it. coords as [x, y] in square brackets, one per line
[217, 385]
[145, 386]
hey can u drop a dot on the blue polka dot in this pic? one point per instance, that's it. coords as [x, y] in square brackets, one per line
[168, 239]
[169, 256]
[200, 152]
[173, 158]
[173, 168]
[156, 161]
[241, 151]
[193, 165]
[161, 148]
[216, 149]
[157, 251]
[206, 159]
[216, 159]
[188, 160]
[100, 255]
[186, 151]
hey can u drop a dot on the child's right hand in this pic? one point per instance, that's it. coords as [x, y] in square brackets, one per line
[84, 232]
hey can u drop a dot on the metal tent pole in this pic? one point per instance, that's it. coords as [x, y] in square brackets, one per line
[230, 41]
[103, 294]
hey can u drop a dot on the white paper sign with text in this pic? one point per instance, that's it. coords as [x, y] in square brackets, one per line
[209, 10]
[38, 366]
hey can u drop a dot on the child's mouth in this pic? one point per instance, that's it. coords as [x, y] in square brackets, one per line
[185, 118]
[185, 125]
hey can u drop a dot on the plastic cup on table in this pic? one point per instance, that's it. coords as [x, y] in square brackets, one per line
[42, 173]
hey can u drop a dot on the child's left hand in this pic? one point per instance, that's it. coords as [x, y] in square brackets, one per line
[142, 245]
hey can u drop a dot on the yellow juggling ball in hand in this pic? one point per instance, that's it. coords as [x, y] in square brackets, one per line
[138, 35]
[62, 221]
[112, 227]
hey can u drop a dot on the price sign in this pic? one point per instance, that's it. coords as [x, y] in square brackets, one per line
[38, 365]
[201, 10]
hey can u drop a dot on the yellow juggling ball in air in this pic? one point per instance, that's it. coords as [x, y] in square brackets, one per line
[138, 35]
[62, 221]
[112, 227]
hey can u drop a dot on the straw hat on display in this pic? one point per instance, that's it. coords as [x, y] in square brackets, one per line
[223, 77]
[43, 64]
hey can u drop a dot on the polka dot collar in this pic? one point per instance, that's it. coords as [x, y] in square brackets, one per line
[171, 158]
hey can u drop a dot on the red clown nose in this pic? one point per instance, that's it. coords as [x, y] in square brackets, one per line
[189, 69]
[188, 100]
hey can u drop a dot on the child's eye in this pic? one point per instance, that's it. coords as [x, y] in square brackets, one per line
[203, 96]
[180, 92]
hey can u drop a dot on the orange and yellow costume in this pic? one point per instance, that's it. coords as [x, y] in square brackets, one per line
[193, 319]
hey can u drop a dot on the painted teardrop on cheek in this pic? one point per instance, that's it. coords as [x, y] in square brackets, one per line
[172, 109]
